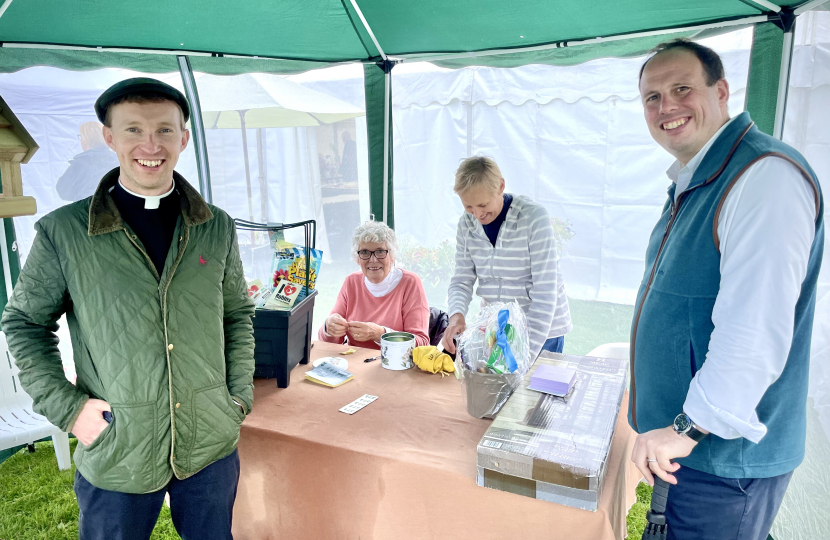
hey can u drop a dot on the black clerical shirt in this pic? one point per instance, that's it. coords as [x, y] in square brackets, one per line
[155, 228]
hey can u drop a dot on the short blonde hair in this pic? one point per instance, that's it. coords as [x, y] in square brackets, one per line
[477, 171]
[374, 232]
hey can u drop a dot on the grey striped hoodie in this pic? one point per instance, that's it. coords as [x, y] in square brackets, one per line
[523, 266]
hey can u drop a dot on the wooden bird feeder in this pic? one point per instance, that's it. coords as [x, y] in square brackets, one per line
[16, 147]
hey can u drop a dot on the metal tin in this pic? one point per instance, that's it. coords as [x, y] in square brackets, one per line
[396, 350]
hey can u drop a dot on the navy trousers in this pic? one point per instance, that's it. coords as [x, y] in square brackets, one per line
[704, 506]
[554, 344]
[201, 506]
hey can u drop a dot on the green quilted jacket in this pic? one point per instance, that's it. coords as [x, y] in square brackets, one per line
[168, 353]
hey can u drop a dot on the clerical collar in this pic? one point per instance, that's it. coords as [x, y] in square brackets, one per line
[151, 202]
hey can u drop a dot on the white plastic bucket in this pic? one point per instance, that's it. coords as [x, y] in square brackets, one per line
[396, 350]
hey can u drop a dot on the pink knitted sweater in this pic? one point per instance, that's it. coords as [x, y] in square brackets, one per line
[405, 309]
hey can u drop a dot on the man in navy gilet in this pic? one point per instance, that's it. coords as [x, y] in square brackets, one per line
[720, 341]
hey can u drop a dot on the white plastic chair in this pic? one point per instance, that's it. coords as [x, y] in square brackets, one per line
[19, 424]
[621, 351]
[612, 350]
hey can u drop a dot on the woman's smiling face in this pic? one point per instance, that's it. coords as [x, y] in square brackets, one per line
[375, 269]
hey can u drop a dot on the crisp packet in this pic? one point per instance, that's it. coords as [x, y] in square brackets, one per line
[290, 264]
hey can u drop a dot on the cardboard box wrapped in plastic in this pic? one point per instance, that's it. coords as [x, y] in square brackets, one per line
[553, 448]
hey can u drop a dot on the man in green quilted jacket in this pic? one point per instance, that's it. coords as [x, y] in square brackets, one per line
[150, 280]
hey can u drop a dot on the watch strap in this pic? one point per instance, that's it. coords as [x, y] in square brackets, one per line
[695, 434]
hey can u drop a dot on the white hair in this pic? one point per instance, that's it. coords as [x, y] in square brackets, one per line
[376, 232]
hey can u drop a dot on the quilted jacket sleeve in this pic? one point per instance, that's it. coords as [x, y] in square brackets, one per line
[30, 322]
[239, 331]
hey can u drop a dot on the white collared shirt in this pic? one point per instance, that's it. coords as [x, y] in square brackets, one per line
[766, 229]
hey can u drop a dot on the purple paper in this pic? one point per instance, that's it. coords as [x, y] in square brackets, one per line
[553, 379]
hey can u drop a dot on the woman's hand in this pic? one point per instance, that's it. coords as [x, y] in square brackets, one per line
[366, 331]
[456, 325]
[336, 325]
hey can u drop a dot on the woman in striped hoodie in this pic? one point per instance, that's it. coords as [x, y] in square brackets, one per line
[506, 242]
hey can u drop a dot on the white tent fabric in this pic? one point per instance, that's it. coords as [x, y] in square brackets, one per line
[804, 512]
[572, 137]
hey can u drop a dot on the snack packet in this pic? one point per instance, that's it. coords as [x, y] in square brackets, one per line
[290, 264]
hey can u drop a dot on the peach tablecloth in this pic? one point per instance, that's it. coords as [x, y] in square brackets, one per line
[404, 467]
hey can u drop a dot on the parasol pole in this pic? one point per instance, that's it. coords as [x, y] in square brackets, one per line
[247, 166]
[263, 174]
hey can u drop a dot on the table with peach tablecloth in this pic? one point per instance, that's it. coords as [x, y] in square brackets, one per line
[404, 467]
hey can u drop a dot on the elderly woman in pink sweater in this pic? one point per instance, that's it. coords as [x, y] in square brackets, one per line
[380, 298]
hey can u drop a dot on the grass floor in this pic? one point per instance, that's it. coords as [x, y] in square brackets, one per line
[37, 501]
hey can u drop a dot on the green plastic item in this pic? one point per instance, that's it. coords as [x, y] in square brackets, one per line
[496, 355]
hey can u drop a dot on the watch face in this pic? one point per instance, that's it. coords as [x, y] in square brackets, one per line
[682, 423]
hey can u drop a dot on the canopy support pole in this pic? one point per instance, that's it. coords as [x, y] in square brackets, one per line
[372, 78]
[387, 85]
[4, 7]
[784, 78]
[199, 141]
[7, 271]
[378, 85]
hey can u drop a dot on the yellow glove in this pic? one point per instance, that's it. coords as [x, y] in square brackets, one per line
[429, 359]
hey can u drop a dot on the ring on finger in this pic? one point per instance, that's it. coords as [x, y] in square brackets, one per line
[652, 460]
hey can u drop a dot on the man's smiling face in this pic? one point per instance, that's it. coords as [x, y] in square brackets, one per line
[681, 110]
[148, 138]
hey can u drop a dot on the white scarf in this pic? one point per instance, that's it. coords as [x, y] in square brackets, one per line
[387, 285]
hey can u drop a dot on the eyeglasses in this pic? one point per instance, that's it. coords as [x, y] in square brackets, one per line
[379, 254]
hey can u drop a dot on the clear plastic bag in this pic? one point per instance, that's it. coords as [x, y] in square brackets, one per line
[493, 357]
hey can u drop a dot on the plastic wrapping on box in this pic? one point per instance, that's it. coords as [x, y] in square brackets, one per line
[553, 448]
[493, 357]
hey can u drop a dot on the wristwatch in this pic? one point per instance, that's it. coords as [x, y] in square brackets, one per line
[683, 425]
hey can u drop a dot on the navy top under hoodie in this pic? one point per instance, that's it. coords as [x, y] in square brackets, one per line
[492, 228]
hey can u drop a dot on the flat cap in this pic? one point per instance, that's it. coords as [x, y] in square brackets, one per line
[139, 86]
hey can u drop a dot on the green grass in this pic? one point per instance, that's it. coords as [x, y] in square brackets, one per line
[636, 520]
[37, 501]
[597, 323]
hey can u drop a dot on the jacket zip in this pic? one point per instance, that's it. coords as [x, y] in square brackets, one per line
[163, 297]
[131, 238]
[675, 208]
